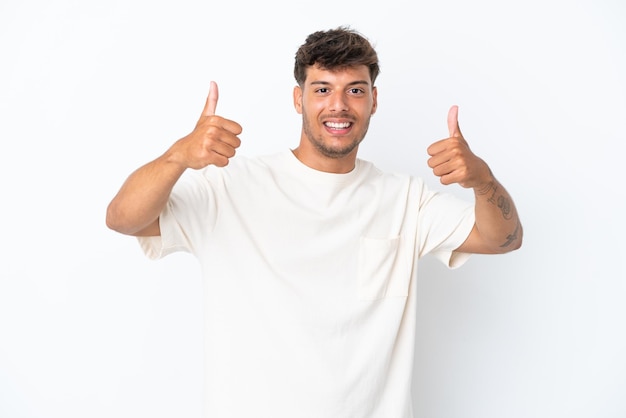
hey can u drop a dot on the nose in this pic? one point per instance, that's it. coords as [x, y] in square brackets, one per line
[338, 102]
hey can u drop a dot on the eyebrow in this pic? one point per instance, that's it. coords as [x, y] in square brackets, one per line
[353, 83]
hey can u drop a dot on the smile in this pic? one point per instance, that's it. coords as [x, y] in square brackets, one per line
[338, 125]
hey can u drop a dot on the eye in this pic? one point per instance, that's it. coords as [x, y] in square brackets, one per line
[322, 90]
[356, 90]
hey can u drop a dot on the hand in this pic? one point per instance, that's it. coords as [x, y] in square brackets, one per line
[453, 161]
[213, 140]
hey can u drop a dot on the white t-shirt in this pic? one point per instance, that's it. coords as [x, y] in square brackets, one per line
[309, 282]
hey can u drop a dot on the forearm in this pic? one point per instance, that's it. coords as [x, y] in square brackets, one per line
[497, 220]
[136, 208]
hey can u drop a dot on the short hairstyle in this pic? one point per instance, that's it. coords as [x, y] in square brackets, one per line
[335, 49]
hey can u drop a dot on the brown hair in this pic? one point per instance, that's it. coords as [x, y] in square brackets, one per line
[335, 49]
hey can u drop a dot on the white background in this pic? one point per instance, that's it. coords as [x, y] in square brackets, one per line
[91, 90]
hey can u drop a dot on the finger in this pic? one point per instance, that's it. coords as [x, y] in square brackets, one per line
[211, 100]
[437, 147]
[453, 122]
[437, 160]
[225, 149]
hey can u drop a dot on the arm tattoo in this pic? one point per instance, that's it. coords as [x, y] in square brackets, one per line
[505, 206]
[503, 202]
[511, 237]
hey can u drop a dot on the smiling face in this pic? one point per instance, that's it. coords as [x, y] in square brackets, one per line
[336, 107]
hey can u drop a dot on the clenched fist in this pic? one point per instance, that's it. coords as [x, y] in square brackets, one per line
[452, 160]
[213, 140]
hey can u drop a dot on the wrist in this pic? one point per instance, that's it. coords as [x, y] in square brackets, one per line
[174, 156]
[486, 187]
[487, 184]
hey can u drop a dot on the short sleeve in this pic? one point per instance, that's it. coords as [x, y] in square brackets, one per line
[185, 219]
[172, 238]
[445, 222]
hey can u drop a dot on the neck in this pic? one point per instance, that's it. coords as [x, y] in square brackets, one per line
[319, 162]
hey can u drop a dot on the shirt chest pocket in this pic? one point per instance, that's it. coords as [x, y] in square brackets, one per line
[383, 269]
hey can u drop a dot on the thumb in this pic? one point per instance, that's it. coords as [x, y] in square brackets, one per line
[453, 122]
[211, 100]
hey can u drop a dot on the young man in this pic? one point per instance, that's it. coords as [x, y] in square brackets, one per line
[309, 256]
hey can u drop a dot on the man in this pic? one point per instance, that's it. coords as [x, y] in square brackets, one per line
[309, 256]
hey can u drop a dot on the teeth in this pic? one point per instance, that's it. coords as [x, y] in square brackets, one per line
[336, 125]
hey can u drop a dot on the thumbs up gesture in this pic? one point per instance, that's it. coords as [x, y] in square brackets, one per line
[452, 160]
[213, 140]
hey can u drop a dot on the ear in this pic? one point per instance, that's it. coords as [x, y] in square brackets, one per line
[374, 100]
[297, 99]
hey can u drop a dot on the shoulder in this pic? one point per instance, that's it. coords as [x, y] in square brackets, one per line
[259, 163]
[241, 165]
[370, 172]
